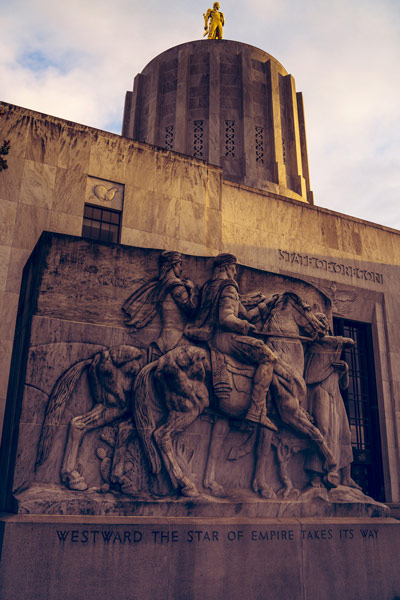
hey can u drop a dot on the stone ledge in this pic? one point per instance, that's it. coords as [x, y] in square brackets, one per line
[51, 499]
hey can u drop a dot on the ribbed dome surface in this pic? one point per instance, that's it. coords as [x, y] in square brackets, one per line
[230, 104]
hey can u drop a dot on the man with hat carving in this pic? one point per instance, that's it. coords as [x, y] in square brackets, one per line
[170, 296]
[224, 323]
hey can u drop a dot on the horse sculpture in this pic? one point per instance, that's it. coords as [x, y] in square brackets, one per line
[167, 395]
[179, 380]
[289, 320]
[288, 323]
[111, 373]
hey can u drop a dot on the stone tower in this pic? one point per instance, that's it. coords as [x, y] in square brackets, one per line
[230, 104]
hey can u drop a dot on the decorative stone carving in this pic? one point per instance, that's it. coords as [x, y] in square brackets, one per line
[325, 375]
[110, 374]
[224, 394]
[174, 299]
[104, 193]
[341, 299]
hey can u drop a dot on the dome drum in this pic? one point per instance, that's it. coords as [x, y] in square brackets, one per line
[230, 104]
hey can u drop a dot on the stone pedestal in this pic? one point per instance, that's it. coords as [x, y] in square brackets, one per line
[149, 558]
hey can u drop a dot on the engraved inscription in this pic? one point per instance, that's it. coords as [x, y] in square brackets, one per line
[103, 275]
[330, 266]
[164, 537]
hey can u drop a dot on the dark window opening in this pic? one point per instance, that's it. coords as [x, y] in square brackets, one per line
[101, 224]
[361, 404]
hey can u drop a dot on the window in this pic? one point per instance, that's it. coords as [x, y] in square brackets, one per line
[360, 400]
[101, 224]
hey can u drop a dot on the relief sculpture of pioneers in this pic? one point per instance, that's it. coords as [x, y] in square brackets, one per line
[234, 394]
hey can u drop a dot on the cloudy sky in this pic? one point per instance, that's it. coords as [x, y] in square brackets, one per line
[76, 59]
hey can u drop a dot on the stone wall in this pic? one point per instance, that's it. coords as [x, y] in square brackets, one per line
[141, 558]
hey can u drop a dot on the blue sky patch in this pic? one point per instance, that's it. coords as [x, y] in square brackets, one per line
[38, 62]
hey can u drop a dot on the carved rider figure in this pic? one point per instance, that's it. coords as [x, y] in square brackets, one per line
[217, 21]
[173, 298]
[224, 323]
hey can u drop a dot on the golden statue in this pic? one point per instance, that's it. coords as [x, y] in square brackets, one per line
[213, 22]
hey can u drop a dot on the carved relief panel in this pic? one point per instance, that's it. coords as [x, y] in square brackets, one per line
[144, 386]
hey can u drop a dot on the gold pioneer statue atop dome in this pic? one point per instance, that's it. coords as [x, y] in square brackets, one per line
[214, 21]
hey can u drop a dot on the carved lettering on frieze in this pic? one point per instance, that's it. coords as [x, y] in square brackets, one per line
[164, 537]
[103, 275]
[71, 258]
[322, 264]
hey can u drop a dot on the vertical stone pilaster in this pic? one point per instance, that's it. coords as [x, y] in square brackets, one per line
[136, 108]
[296, 167]
[278, 166]
[152, 136]
[181, 110]
[214, 125]
[249, 144]
[127, 121]
[137, 105]
[303, 146]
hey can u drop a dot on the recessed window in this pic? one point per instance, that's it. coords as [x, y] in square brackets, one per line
[361, 404]
[101, 224]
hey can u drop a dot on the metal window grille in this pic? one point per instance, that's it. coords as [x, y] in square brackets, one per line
[260, 144]
[360, 400]
[198, 138]
[101, 224]
[169, 137]
[230, 139]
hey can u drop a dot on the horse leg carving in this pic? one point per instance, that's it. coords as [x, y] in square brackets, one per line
[259, 483]
[237, 452]
[298, 420]
[218, 434]
[287, 488]
[69, 473]
[287, 391]
[163, 440]
[78, 426]
[302, 424]
[175, 423]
